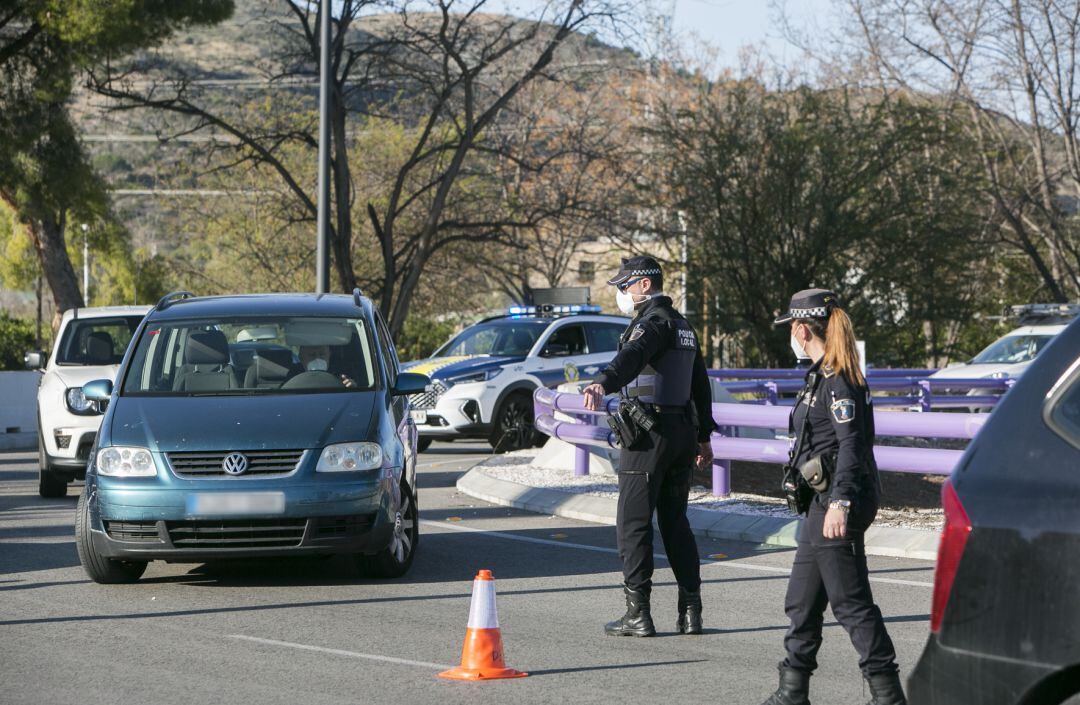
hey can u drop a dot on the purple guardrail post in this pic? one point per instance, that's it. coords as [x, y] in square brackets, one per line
[721, 470]
[924, 394]
[771, 397]
[581, 460]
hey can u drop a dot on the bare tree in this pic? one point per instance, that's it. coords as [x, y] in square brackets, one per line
[448, 72]
[1012, 66]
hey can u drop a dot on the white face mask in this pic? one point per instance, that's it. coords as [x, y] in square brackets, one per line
[317, 365]
[797, 348]
[624, 301]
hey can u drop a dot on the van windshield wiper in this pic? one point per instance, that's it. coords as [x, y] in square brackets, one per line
[227, 393]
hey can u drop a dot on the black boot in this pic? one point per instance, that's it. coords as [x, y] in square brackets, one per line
[885, 689]
[794, 688]
[689, 621]
[637, 621]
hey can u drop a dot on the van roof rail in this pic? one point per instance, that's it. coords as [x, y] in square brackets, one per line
[172, 297]
[356, 294]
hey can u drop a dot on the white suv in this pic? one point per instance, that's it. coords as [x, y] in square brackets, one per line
[90, 345]
[482, 380]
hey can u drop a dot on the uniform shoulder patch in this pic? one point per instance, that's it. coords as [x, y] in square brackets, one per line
[639, 330]
[843, 410]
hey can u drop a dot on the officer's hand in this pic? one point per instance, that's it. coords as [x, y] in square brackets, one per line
[705, 455]
[835, 524]
[594, 396]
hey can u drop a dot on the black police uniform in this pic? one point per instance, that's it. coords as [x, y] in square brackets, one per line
[660, 364]
[833, 416]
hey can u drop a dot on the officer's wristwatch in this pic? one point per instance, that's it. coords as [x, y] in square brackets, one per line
[842, 504]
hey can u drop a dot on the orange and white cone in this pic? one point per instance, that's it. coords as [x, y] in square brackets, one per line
[482, 654]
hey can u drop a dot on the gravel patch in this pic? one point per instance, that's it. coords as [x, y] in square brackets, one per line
[517, 467]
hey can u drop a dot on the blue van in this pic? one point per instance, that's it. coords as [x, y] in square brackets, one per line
[246, 426]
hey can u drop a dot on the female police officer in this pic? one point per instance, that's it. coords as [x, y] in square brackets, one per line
[833, 479]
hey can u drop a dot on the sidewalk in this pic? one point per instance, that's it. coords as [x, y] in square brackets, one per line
[508, 480]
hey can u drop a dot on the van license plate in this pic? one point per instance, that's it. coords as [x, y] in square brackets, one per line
[237, 503]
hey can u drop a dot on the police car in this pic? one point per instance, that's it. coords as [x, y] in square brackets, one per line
[1011, 354]
[482, 379]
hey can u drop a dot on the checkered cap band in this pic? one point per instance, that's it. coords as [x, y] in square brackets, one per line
[644, 272]
[818, 312]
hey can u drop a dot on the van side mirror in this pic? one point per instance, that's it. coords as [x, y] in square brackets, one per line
[410, 383]
[34, 359]
[98, 390]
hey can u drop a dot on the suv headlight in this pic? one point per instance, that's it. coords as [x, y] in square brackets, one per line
[476, 376]
[122, 461]
[350, 457]
[78, 403]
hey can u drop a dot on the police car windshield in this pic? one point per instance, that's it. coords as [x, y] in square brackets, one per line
[1012, 349]
[249, 356]
[510, 336]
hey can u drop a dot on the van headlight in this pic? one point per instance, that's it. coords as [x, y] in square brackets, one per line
[78, 403]
[350, 457]
[122, 461]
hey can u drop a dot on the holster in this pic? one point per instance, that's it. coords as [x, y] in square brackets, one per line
[629, 421]
[797, 493]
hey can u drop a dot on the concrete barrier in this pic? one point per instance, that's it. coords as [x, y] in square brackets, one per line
[18, 410]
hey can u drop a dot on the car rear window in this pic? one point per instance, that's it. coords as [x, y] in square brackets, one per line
[1063, 407]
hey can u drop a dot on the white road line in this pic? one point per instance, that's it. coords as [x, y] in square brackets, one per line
[604, 549]
[340, 652]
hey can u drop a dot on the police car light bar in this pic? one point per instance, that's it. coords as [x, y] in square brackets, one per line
[1042, 312]
[548, 309]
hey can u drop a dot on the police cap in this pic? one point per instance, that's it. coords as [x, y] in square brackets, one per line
[633, 267]
[809, 303]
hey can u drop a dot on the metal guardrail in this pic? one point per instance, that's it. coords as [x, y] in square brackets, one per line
[583, 431]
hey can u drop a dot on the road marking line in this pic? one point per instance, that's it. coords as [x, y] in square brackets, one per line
[340, 652]
[604, 549]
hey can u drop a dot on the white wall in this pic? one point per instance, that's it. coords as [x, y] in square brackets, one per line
[18, 409]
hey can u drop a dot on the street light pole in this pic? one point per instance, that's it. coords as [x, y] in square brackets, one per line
[85, 264]
[322, 261]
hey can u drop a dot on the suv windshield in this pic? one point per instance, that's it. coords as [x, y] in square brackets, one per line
[96, 341]
[502, 337]
[1012, 349]
[241, 356]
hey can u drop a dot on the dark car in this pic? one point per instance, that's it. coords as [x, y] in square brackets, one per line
[1005, 619]
[247, 426]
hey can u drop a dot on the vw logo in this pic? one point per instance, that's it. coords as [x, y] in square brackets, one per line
[235, 464]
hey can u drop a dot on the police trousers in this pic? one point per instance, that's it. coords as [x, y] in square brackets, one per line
[654, 477]
[833, 572]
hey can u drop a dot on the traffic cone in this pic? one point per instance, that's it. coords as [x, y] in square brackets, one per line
[482, 654]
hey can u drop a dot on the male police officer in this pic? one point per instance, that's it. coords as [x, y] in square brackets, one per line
[659, 365]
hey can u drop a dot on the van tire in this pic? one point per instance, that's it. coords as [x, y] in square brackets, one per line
[395, 560]
[101, 569]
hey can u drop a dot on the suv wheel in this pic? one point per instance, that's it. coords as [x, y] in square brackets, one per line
[394, 560]
[514, 428]
[49, 485]
[99, 568]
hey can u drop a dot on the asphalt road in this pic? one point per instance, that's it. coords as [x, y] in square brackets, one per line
[307, 631]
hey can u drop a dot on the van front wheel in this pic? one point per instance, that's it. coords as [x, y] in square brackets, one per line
[99, 568]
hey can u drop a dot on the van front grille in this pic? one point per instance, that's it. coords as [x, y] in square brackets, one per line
[210, 463]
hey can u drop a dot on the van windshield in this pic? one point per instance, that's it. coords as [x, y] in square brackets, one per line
[247, 356]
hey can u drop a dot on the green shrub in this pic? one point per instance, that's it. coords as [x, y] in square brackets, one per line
[420, 336]
[16, 337]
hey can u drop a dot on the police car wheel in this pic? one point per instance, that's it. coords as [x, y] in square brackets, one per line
[514, 429]
[422, 444]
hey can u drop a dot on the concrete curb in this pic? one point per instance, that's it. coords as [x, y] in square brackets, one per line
[772, 531]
